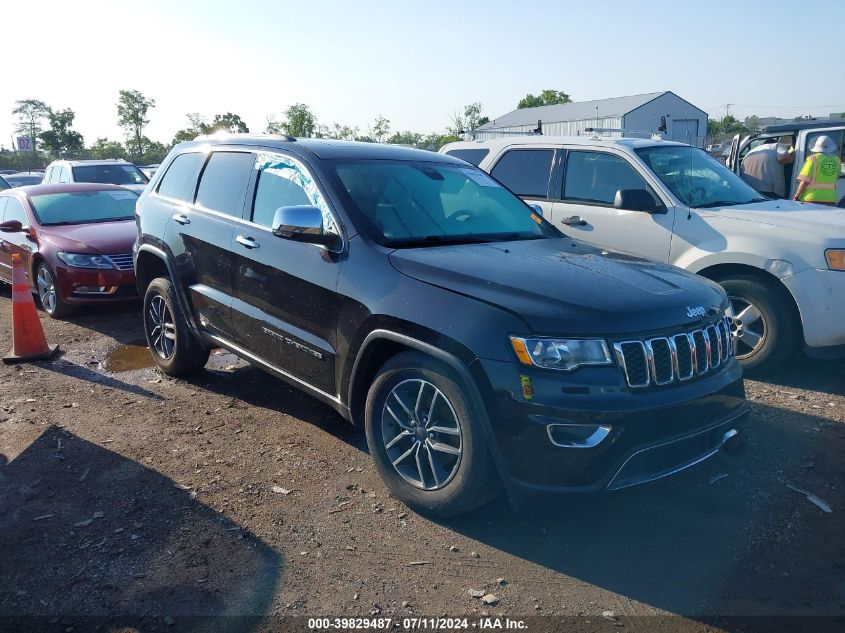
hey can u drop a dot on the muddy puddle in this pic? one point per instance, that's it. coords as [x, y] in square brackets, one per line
[135, 355]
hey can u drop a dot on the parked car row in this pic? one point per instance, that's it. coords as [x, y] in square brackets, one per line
[541, 343]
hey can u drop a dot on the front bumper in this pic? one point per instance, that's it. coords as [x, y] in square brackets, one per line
[820, 296]
[83, 285]
[645, 435]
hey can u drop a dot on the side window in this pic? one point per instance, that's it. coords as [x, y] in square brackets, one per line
[64, 174]
[224, 180]
[48, 174]
[595, 177]
[15, 211]
[835, 135]
[525, 171]
[283, 182]
[181, 178]
[472, 156]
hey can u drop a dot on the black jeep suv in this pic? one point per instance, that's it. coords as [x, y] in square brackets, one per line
[474, 342]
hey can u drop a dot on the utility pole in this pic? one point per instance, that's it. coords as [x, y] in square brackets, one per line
[728, 109]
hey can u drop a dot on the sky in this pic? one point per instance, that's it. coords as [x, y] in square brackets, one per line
[413, 62]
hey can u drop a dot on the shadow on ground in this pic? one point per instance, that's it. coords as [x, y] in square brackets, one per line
[90, 538]
[726, 538]
[802, 372]
[258, 388]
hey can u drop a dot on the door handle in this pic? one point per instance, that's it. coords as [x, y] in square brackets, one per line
[574, 220]
[181, 218]
[247, 242]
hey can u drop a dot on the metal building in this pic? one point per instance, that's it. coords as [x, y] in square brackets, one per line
[637, 115]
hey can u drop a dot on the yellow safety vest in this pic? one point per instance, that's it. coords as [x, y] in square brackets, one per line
[820, 172]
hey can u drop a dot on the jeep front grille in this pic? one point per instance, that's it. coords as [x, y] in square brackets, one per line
[664, 360]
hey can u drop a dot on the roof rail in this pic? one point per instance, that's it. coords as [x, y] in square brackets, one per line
[243, 136]
[538, 131]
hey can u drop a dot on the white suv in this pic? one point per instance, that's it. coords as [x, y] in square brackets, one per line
[111, 172]
[782, 262]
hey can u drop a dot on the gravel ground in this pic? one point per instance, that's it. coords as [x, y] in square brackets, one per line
[147, 501]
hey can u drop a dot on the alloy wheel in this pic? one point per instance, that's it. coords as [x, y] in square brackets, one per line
[46, 289]
[161, 328]
[749, 326]
[421, 434]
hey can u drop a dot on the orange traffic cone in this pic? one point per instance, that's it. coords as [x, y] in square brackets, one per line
[27, 334]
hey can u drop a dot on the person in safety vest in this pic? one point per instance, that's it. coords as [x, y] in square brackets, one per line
[817, 180]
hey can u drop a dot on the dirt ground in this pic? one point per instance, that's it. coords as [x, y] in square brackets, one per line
[131, 501]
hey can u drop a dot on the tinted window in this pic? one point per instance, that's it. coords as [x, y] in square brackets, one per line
[474, 156]
[525, 171]
[223, 181]
[596, 177]
[181, 178]
[109, 174]
[274, 191]
[15, 211]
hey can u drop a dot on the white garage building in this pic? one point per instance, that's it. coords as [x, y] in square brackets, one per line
[637, 115]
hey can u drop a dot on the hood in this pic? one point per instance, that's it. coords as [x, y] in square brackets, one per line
[797, 216]
[103, 238]
[566, 287]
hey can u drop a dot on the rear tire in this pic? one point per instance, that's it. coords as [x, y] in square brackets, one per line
[174, 348]
[447, 469]
[765, 316]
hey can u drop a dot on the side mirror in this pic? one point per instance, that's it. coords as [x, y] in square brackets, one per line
[636, 200]
[302, 224]
[11, 226]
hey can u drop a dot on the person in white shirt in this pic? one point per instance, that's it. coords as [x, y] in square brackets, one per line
[762, 168]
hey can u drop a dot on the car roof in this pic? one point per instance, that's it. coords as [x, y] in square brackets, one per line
[322, 148]
[539, 139]
[804, 125]
[107, 161]
[65, 187]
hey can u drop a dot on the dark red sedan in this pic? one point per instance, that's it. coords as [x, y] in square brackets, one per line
[75, 241]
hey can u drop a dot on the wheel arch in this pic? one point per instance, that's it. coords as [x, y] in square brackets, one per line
[718, 272]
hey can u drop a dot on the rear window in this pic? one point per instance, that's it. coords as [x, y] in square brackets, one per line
[525, 171]
[224, 180]
[84, 207]
[181, 178]
[473, 156]
[109, 174]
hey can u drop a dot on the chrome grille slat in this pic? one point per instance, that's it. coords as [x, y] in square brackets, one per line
[123, 261]
[661, 360]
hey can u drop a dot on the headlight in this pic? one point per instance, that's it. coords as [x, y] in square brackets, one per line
[565, 354]
[835, 258]
[77, 260]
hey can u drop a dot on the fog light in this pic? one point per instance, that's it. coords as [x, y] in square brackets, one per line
[578, 435]
[92, 290]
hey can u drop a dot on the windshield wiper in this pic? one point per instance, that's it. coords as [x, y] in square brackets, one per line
[727, 203]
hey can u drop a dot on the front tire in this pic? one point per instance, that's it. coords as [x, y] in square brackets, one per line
[175, 349]
[426, 439]
[765, 319]
[48, 293]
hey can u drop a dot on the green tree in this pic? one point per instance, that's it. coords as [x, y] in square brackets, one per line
[299, 121]
[472, 116]
[483, 121]
[104, 148]
[547, 97]
[132, 109]
[434, 141]
[60, 140]
[380, 129]
[406, 138]
[228, 122]
[30, 113]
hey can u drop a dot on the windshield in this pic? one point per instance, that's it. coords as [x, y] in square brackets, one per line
[23, 181]
[110, 174]
[697, 179]
[421, 202]
[4, 184]
[83, 207]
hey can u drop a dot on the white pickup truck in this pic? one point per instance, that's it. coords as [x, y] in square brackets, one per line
[781, 262]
